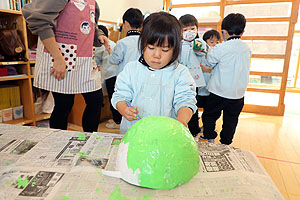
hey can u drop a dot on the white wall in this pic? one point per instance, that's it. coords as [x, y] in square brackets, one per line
[112, 10]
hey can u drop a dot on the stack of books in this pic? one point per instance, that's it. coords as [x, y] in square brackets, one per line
[10, 103]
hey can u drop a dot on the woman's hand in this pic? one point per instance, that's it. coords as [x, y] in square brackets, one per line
[59, 68]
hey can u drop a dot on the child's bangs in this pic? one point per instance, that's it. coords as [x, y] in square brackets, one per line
[158, 38]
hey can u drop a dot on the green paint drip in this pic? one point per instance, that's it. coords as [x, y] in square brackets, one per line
[8, 163]
[14, 151]
[133, 189]
[164, 151]
[116, 195]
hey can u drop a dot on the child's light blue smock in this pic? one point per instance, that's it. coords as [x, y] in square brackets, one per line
[126, 50]
[202, 91]
[192, 60]
[230, 76]
[154, 92]
[107, 69]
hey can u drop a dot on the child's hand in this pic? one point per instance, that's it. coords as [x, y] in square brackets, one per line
[130, 113]
[199, 47]
[205, 69]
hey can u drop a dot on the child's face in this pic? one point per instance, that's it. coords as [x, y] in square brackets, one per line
[158, 57]
[190, 28]
[189, 32]
[212, 41]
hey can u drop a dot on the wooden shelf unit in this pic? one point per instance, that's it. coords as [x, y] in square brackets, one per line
[24, 82]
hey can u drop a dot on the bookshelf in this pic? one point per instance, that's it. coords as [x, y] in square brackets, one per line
[24, 78]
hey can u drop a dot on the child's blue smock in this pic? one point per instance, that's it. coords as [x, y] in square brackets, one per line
[155, 93]
[230, 76]
[192, 60]
[202, 91]
[107, 69]
[126, 50]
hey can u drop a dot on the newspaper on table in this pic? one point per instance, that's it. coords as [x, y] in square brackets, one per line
[71, 165]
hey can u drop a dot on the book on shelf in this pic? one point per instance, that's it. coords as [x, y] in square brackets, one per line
[13, 4]
[9, 96]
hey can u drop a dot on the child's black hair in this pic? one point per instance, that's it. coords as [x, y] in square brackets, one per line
[134, 17]
[211, 33]
[234, 23]
[160, 26]
[104, 29]
[188, 20]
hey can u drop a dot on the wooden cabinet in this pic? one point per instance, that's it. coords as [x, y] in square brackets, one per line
[24, 79]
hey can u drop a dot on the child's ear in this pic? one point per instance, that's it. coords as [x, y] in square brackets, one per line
[242, 33]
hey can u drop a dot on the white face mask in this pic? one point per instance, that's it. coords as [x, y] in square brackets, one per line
[189, 35]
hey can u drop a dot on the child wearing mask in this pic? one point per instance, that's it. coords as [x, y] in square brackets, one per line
[191, 57]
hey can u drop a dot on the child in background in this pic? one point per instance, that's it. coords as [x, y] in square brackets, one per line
[156, 85]
[126, 49]
[108, 75]
[191, 59]
[229, 80]
[212, 38]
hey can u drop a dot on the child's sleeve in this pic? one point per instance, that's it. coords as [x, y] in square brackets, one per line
[213, 57]
[185, 91]
[99, 55]
[123, 87]
[117, 55]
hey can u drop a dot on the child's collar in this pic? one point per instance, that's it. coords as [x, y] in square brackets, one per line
[142, 61]
[234, 37]
[133, 32]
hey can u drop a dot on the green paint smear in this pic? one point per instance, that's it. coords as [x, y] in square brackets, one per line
[97, 137]
[147, 197]
[164, 151]
[81, 136]
[82, 154]
[116, 195]
[116, 142]
[22, 183]
[98, 191]
[103, 150]
[8, 163]
[63, 198]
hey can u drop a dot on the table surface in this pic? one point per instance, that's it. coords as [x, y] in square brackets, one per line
[42, 163]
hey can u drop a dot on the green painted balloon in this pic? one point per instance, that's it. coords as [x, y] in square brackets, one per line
[164, 151]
